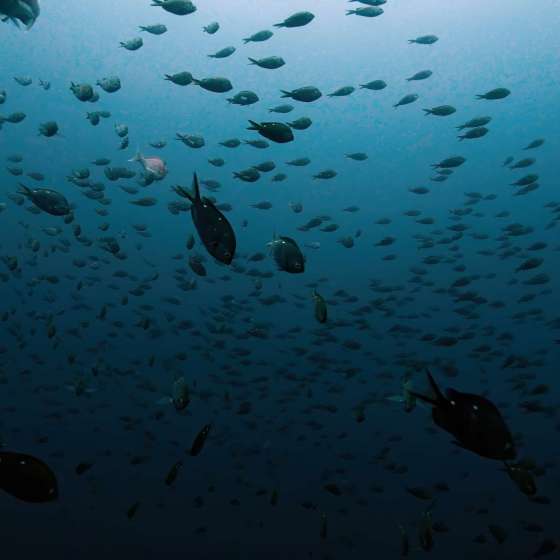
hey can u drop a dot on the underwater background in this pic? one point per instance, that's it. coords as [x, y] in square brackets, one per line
[309, 454]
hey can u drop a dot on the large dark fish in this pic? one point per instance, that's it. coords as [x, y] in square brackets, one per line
[474, 421]
[27, 478]
[287, 254]
[51, 202]
[16, 11]
[213, 228]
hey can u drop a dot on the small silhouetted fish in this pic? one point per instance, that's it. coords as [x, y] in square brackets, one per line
[498, 93]
[424, 40]
[296, 20]
[406, 100]
[333, 489]
[82, 468]
[173, 472]
[374, 85]
[534, 144]
[215, 85]
[321, 312]
[270, 62]
[200, 440]
[275, 131]
[176, 7]
[422, 75]
[131, 512]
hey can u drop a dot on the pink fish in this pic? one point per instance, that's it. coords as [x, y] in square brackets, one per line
[152, 165]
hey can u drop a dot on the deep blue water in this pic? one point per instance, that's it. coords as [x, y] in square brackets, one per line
[283, 393]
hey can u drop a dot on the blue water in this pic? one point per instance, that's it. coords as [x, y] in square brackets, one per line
[302, 380]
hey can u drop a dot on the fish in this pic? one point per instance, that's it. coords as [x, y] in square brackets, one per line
[212, 226]
[27, 478]
[50, 201]
[321, 311]
[200, 440]
[275, 131]
[20, 11]
[473, 420]
[173, 472]
[154, 166]
[287, 254]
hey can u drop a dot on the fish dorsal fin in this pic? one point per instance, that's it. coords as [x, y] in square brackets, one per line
[437, 400]
[196, 187]
[434, 386]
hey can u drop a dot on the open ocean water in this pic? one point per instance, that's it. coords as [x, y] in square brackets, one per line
[244, 374]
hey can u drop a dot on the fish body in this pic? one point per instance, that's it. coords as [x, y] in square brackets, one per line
[153, 166]
[275, 131]
[27, 478]
[51, 202]
[214, 230]
[473, 420]
[287, 254]
[20, 11]
[200, 440]
[321, 312]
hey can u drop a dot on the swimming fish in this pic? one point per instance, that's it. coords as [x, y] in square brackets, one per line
[27, 478]
[16, 11]
[212, 226]
[473, 420]
[153, 165]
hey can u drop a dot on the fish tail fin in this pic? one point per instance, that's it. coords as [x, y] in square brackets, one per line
[181, 191]
[286, 93]
[410, 41]
[26, 191]
[427, 112]
[479, 97]
[423, 398]
[196, 82]
[245, 41]
[137, 156]
[254, 125]
[253, 60]
[279, 25]
[349, 12]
